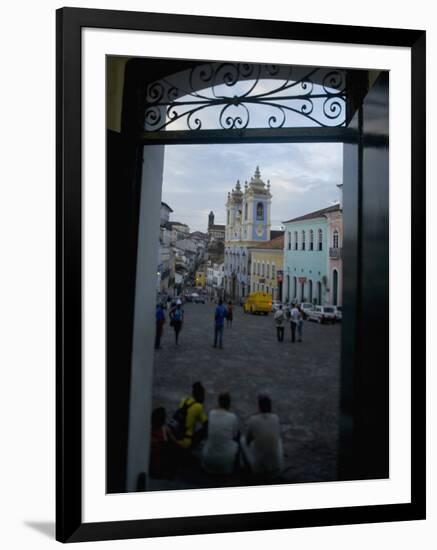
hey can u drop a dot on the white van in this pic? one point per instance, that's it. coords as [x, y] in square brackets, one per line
[323, 314]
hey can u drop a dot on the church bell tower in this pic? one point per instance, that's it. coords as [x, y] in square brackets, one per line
[210, 219]
[256, 209]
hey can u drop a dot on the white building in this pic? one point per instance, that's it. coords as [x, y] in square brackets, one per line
[214, 280]
[166, 268]
[247, 223]
[179, 231]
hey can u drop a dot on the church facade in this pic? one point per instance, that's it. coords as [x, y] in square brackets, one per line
[247, 224]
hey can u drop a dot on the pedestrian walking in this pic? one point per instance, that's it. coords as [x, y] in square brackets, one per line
[230, 314]
[160, 321]
[279, 319]
[295, 318]
[176, 320]
[287, 311]
[219, 320]
[302, 317]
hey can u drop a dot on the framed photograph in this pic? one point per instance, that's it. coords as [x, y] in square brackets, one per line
[240, 244]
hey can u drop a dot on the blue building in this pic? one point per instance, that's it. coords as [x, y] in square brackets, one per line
[306, 256]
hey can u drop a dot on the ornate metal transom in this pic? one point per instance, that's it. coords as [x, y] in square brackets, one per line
[241, 95]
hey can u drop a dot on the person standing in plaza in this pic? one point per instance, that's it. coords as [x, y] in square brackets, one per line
[160, 321]
[177, 318]
[230, 314]
[301, 318]
[295, 317]
[219, 321]
[279, 318]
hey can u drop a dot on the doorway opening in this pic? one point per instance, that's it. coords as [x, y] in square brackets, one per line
[164, 105]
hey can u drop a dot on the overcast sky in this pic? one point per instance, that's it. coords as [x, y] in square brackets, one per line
[197, 178]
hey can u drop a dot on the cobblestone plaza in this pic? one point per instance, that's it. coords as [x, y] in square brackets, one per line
[303, 380]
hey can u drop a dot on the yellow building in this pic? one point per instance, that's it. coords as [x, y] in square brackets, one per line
[267, 266]
[200, 279]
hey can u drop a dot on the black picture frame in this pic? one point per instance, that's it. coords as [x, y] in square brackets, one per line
[69, 524]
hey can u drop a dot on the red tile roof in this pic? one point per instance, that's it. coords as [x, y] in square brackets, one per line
[274, 244]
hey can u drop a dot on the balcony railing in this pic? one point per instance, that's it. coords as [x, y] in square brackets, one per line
[335, 253]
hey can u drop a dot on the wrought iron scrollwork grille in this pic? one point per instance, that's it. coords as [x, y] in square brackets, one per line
[232, 96]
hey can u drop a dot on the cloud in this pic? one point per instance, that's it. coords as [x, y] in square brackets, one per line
[197, 178]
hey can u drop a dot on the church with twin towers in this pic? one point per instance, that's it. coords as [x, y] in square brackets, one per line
[248, 223]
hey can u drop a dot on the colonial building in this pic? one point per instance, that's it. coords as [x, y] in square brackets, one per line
[179, 231]
[214, 280]
[247, 224]
[166, 260]
[309, 252]
[216, 240]
[200, 278]
[335, 256]
[267, 267]
[216, 232]
[180, 253]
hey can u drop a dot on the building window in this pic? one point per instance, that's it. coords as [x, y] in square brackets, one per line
[245, 211]
[294, 287]
[262, 269]
[273, 271]
[296, 241]
[268, 271]
[311, 239]
[260, 211]
[228, 217]
[319, 293]
[320, 243]
[303, 240]
[335, 239]
[289, 240]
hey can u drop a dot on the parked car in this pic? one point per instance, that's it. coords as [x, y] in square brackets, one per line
[275, 305]
[322, 314]
[338, 312]
[307, 307]
[197, 298]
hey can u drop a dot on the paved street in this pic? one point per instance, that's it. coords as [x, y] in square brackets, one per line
[301, 378]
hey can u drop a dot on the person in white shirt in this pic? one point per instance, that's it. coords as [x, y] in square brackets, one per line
[279, 318]
[262, 446]
[221, 447]
[296, 320]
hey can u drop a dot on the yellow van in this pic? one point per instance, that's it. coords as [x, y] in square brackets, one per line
[258, 302]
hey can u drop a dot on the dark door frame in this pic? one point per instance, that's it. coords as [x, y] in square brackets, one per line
[133, 144]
